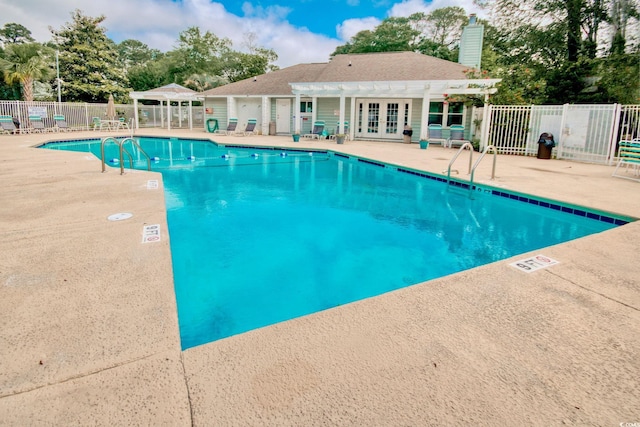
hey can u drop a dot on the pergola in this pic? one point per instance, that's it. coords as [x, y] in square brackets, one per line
[424, 89]
[166, 94]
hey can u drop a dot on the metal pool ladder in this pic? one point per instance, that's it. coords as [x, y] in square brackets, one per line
[121, 151]
[472, 166]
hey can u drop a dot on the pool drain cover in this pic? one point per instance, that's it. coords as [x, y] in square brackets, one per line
[120, 216]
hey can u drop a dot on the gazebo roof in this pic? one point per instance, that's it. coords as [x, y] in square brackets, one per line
[171, 92]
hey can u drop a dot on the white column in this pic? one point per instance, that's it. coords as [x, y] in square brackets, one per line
[135, 114]
[352, 118]
[342, 112]
[266, 115]
[424, 119]
[161, 114]
[168, 114]
[484, 127]
[314, 112]
[191, 115]
[296, 114]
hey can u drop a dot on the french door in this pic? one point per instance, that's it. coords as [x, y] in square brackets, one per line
[382, 119]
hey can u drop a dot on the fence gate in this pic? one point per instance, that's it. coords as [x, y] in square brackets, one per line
[587, 133]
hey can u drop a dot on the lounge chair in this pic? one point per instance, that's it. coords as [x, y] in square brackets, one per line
[435, 135]
[317, 131]
[457, 136]
[6, 122]
[250, 129]
[629, 156]
[231, 127]
[37, 125]
[61, 123]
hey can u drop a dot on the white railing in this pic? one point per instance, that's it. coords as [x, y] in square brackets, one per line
[79, 115]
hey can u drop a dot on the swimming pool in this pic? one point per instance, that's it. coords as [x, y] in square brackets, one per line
[260, 236]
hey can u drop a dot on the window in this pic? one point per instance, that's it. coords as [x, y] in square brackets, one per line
[454, 115]
[446, 114]
[306, 107]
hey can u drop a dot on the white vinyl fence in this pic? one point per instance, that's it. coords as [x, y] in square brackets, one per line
[585, 133]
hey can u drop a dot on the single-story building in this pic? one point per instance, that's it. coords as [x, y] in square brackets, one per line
[372, 96]
[375, 94]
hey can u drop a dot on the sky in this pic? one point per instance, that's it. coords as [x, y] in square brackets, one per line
[298, 31]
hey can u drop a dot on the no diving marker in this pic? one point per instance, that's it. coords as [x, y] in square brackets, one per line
[152, 184]
[151, 233]
[532, 264]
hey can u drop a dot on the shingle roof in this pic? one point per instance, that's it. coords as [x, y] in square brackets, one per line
[172, 88]
[388, 66]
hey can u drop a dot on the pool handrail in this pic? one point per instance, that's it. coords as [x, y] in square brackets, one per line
[121, 151]
[475, 165]
[462, 148]
[144, 153]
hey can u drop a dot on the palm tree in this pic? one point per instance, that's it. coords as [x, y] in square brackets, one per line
[25, 64]
[201, 82]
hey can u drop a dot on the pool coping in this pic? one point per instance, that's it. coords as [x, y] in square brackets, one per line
[558, 345]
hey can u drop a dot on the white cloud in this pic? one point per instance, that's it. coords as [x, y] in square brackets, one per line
[157, 23]
[408, 7]
[351, 27]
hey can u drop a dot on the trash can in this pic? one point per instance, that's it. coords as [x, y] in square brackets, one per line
[407, 133]
[545, 145]
[272, 128]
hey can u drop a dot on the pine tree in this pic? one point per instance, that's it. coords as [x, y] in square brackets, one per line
[88, 61]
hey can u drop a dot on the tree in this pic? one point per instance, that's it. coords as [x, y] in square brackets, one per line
[133, 52]
[13, 33]
[88, 61]
[197, 53]
[25, 64]
[392, 35]
[239, 66]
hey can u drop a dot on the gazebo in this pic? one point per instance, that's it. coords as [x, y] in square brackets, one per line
[166, 94]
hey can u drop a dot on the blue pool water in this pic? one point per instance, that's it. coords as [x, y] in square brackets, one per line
[259, 237]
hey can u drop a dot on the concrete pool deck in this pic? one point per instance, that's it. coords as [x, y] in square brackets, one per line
[89, 334]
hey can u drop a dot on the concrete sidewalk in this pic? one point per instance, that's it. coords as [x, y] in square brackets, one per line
[89, 334]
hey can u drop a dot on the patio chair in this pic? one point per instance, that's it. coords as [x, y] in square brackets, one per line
[231, 127]
[123, 124]
[435, 135]
[629, 157]
[457, 136]
[250, 129]
[344, 131]
[61, 123]
[8, 126]
[37, 125]
[317, 131]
